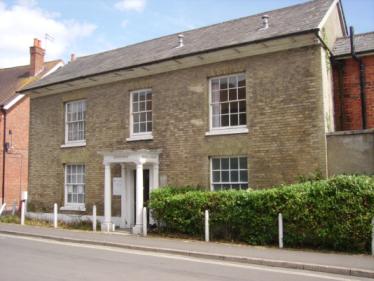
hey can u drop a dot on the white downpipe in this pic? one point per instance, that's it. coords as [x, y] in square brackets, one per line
[55, 215]
[206, 226]
[145, 221]
[94, 218]
[23, 213]
[280, 230]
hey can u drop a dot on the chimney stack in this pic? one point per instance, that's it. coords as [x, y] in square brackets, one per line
[36, 58]
[72, 57]
[265, 22]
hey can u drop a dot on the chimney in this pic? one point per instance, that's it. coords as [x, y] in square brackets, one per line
[36, 58]
[265, 22]
[180, 40]
[72, 57]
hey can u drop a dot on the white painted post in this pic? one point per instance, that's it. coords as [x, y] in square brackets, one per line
[55, 215]
[280, 230]
[372, 237]
[14, 208]
[94, 218]
[23, 213]
[145, 221]
[2, 208]
[206, 226]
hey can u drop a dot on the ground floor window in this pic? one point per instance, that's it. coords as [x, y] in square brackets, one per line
[75, 184]
[229, 172]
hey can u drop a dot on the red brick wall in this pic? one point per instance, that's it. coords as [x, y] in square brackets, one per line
[348, 115]
[16, 160]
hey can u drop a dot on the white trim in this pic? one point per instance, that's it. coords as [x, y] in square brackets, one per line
[77, 142]
[13, 101]
[326, 16]
[74, 144]
[143, 135]
[53, 69]
[73, 206]
[138, 137]
[227, 131]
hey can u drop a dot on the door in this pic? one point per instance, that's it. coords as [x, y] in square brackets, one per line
[145, 191]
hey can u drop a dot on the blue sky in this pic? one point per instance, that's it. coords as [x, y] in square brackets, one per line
[89, 26]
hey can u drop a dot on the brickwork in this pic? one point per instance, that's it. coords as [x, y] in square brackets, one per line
[348, 115]
[285, 114]
[16, 160]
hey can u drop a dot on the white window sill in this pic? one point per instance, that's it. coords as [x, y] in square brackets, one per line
[227, 131]
[74, 144]
[81, 208]
[140, 137]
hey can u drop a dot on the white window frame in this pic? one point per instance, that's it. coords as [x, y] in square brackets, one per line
[141, 135]
[68, 205]
[75, 143]
[227, 130]
[226, 156]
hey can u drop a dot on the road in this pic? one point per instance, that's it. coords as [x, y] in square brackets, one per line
[32, 259]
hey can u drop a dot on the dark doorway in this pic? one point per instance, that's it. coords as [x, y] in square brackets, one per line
[145, 192]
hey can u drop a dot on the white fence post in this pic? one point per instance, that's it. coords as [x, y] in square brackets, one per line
[14, 208]
[280, 230]
[94, 218]
[23, 213]
[144, 221]
[2, 208]
[206, 226]
[372, 237]
[55, 215]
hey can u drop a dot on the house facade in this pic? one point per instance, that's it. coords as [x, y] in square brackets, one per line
[14, 123]
[245, 103]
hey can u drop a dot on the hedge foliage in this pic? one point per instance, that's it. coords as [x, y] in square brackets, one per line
[330, 214]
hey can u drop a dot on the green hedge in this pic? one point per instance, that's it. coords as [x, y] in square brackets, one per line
[327, 214]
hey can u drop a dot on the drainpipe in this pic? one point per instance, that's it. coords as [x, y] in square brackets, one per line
[340, 67]
[3, 111]
[362, 79]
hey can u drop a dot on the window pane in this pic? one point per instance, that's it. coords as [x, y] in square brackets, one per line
[223, 83]
[242, 119]
[224, 163]
[136, 128]
[70, 198]
[232, 94]
[242, 106]
[223, 95]
[241, 80]
[234, 176]
[142, 96]
[225, 108]
[215, 109]
[235, 186]
[143, 116]
[215, 96]
[241, 93]
[216, 164]
[216, 187]
[142, 127]
[149, 126]
[135, 107]
[216, 121]
[149, 116]
[232, 82]
[141, 106]
[234, 107]
[234, 163]
[215, 84]
[224, 120]
[135, 97]
[136, 117]
[243, 176]
[149, 96]
[216, 176]
[149, 105]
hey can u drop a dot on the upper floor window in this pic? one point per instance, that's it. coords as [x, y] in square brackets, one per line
[141, 112]
[75, 116]
[228, 102]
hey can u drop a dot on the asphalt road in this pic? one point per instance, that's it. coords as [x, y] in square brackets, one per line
[33, 259]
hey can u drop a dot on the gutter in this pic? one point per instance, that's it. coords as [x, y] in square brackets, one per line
[129, 68]
[3, 111]
[362, 79]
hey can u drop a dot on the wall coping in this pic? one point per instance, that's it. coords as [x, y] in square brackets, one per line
[351, 132]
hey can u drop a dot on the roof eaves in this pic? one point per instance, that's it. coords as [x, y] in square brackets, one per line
[313, 30]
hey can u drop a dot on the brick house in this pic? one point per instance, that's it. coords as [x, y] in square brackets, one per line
[14, 122]
[351, 146]
[242, 103]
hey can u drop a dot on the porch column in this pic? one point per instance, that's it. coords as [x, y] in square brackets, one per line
[107, 225]
[139, 199]
[123, 196]
[156, 176]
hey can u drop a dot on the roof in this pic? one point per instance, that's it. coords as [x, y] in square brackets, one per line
[364, 42]
[13, 79]
[282, 22]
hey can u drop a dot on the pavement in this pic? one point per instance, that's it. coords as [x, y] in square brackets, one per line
[334, 263]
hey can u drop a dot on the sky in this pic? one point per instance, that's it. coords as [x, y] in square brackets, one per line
[85, 27]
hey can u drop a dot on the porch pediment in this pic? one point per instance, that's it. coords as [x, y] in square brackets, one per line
[140, 156]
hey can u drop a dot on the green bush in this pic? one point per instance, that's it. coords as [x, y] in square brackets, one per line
[327, 214]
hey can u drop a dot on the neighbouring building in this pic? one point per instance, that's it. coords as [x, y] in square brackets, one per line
[246, 102]
[14, 122]
[351, 147]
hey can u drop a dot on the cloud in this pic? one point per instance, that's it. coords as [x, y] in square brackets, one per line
[130, 5]
[23, 21]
